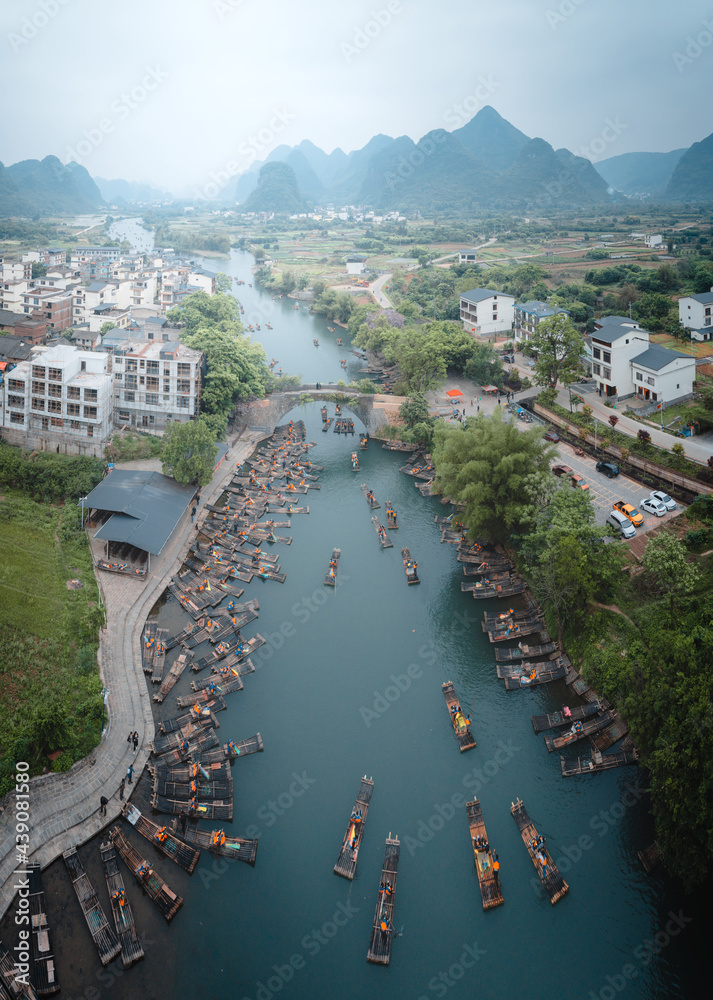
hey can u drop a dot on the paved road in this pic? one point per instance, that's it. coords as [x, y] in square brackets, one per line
[64, 808]
[380, 296]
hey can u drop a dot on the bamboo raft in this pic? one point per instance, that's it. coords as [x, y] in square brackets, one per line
[553, 883]
[491, 566]
[391, 522]
[562, 740]
[330, 579]
[185, 772]
[363, 442]
[205, 791]
[459, 722]
[515, 630]
[517, 669]
[173, 676]
[148, 644]
[242, 748]
[469, 586]
[488, 878]
[274, 509]
[167, 902]
[159, 656]
[508, 588]
[523, 651]
[45, 974]
[184, 856]
[398, 446]
[500, 618]
[369, 496]
[553, 670]
[216, 809]
[410, 568]
[347, 861]
[651, 857]
[239, 651]
[355, 462]
[131, 948]
[179, 638]
[191, 740]
[597, 762]
[216, 842]
[386, 542]
[10, 987]
[380, 946]
[124, 568]
[542, 722]
[612, 734]
[106, 941]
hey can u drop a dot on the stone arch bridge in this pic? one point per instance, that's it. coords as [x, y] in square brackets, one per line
[373, 409]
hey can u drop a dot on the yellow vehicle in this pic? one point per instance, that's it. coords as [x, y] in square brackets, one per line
[628, 511]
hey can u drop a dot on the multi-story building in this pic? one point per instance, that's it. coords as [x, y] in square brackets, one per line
[202, 279]
[694, 311]
[31, 331]
[54, 305]
[59, 400]
[155, 383]
[625, 363]
[485, 312]
[82, 254]
[529, 314]
[16, 270]
[468, 256]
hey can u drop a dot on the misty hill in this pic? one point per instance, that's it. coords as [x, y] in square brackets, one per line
[276, 191]
[491, 139]
[47, 187]
[692, 179]
[130, 191]
[640, 173]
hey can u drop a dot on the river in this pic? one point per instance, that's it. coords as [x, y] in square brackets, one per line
[350, 683]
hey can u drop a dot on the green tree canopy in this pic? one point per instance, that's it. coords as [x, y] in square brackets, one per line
[665, 558]
[188, 452]
[558, 347]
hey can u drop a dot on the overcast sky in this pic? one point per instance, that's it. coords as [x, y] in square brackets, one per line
[173, 93]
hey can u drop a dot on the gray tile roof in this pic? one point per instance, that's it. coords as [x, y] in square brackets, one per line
[705, 298]
[480, 294]
[656, 357]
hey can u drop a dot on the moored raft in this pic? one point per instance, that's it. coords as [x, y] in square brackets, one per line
[410, 567]
[184, 856]
[514, 630]
[380, 530]
[174, 674]
[525, 652]
[391, 516]
[534, 674]
[651, 857]
[11, 986]
[355, 462]
[167, 902]
[347, 861]
[370, 498]
[459, 721]
[568, 715]
[131, 947]
[45, 974]
[159, 656]
[363, 441]
[124, 568]
[330, 579]
[553, 883]
[216, 842]
[578, 731]
[106, 941]
[485, 861]
[611, 734]
[190, 740]
[148, 645]
[597, 762]
[506, 588]
[382, 931]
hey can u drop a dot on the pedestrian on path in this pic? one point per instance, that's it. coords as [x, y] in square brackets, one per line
[183, 820]
[135, 739]
[122, 786]
[129, 738]
[102, 805]
[471, 402]
[130, 774]
[193, 515]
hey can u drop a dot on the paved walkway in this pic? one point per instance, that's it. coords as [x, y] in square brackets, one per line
[64, 808]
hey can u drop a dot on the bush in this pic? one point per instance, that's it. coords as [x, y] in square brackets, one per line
[700, 538]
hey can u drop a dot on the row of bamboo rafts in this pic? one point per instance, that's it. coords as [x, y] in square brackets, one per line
[380, 530]
[182, 854]
[487, 865]
[410, 567]
[552, 882]
[382, 931]
[13, 981]
[167, 902]
[459, 721]
[330, 579]
[106, 941]
[228, 652]
[45, 973]
[347, 861]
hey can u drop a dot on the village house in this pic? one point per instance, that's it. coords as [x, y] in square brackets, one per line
[484, 311]
[529, 314]
[694, 312]
[155, 382]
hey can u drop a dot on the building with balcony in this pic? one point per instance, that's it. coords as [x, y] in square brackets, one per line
[529, 314]
[484, 311]
[694, 311]
[154, 383]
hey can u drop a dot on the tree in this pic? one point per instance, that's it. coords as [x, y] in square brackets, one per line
[39, 270]
[496, 470]
[223, 282]
[105, 327]
[679, 452]
[414, 409]
[188, 452]
[665, 558]
[613, 420]
[558, 347]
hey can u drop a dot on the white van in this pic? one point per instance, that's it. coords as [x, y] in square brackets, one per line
[617, 520]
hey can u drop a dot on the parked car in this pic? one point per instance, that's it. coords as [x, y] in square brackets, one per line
[663, 498]
[552, 435]
[608, 468]
[628, 511]
[562, 470]
[621, 524]
[652, 506]
[577, 480]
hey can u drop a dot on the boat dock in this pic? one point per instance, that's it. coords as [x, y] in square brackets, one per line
[488, 877]
[184, 856]
[330, 579]
[458, 720]
[131, 947]
[167, 902]
[382, 931]
[553, 883]
[347, 861]
[106, 941]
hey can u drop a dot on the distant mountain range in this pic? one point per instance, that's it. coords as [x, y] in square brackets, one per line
[118, 191]
[46, 187]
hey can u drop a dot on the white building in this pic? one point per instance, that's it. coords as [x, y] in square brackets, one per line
[626, 363]
[694, 311]
[653, 241]
[356, 264]
[61, 399]
[467, 256]
[484, 311]
[155, 382]
[663, 375]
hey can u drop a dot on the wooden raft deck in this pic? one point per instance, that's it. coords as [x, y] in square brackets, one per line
[216, 842]
[458, 720]
[651, 857]
[106, 941]
[148, 644]
[524, 652]
[386, 542]
[159, 656]
[597, 762]
[172, 677]
[167, 902]
[131, 947]
[542, 722]
[330, 579]
[370, 499]
[611, 735]
[185, 857]
[380, 946]
[391, 521]
[124, 568]
[11, 988]
[347, 861]
[45, 974]
[549, 670]
[562, 740]
[515, 631]
[410, 567]
[488, 878]
[553, 883]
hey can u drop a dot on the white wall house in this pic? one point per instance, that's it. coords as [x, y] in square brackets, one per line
[356, 265]
[694, 311]
[155, 382]
[467, 256]
[653, 241]
[484, 311]
[663, 375]
[529, 314]
[626, 363]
